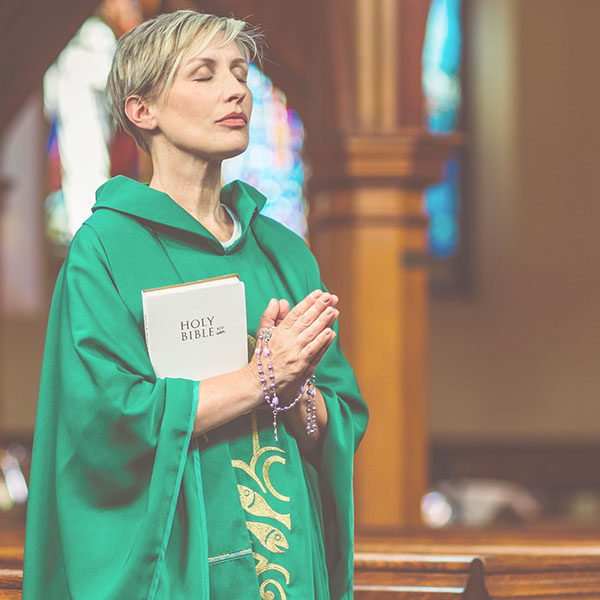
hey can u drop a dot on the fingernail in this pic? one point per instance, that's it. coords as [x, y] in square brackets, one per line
[326, 297]
[316, 293]
[329, 311]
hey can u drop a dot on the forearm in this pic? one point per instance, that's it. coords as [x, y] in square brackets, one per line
[226, 397]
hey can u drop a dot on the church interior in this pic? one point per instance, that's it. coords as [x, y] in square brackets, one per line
[443, 161]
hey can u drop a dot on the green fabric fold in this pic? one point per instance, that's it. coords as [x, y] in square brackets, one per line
[110, 445]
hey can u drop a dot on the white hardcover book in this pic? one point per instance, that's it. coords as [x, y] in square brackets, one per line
[196, 330]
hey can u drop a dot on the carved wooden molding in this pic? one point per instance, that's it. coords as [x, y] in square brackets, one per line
[409, 158]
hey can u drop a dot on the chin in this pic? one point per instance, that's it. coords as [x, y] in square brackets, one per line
[232, 151]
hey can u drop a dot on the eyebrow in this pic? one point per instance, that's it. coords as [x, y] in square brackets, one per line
[212, 62]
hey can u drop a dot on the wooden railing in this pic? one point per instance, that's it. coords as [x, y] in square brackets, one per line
[520, 564]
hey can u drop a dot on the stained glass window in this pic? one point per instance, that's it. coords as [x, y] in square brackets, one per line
[273, 163]
[442, 54]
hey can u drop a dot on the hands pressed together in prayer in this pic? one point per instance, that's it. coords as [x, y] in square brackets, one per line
[300, 338]
[298, 341]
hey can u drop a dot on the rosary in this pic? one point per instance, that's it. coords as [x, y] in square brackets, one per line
[270, 391]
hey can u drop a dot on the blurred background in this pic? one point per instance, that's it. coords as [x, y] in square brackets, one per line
[440, 157]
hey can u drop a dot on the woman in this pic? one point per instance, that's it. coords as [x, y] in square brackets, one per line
[168, 488]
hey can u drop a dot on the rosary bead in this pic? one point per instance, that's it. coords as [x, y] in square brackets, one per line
[271, 397]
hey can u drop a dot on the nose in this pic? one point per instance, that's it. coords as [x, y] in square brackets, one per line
[236, 91]
[237, 97]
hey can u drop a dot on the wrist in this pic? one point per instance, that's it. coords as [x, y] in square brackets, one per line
[252, 378]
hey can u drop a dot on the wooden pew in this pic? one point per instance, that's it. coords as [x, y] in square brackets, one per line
[11, 584]
[504, 564]
[479, 565]
[12, 539]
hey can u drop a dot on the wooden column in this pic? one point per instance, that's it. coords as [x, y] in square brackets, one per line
[371, 161]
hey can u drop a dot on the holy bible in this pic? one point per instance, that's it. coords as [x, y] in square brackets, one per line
[196, 330]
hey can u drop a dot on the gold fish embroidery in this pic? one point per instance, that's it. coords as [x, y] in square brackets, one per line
[255, 504]
[270, 537]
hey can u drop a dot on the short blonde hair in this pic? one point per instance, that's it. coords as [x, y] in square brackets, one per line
[148, 56]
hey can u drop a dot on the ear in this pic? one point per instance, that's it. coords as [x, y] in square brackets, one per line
[140, 113]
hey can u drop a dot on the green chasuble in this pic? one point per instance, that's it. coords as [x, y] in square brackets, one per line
[124, 503]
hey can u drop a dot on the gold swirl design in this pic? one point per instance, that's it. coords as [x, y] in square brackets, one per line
[263, 565]
[255, 504]
[268, 594]
[257, 452]
[268, 462]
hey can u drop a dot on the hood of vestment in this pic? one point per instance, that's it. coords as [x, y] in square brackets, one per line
[130, 197]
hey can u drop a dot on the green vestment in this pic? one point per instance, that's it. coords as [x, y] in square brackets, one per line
[124, 503]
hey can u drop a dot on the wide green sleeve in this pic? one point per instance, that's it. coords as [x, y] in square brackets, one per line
[331, 476]
[110, 448]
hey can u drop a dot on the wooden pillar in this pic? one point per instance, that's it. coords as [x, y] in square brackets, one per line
[371, 161]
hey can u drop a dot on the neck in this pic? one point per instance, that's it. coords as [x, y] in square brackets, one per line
[194, 184]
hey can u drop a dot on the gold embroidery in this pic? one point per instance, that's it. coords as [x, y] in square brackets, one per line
[268, 594]
[263, 565]
[257, 452]
[269, 536]
[256, 505]
[268, 462]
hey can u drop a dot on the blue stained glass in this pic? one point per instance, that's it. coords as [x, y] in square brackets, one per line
[273, 163]
[441, 203]
[442, 57]
[441, 65]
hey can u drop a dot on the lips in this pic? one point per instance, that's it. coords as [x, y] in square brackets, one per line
[234, 118]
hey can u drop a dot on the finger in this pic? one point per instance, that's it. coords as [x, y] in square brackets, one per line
[269, 316]
[284, 309]
[319, 355]
[314, 349]
[312, 314]
[323, 321]
[335, 315]
[303, 306]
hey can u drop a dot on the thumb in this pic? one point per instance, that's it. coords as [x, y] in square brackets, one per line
[270, 315]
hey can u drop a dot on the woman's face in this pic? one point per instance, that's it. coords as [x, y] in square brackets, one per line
[206, 111]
